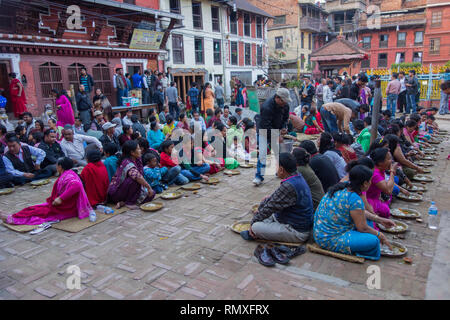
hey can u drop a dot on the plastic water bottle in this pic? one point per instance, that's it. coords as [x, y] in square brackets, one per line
[432, 216]
[92, 216]
[105, 209]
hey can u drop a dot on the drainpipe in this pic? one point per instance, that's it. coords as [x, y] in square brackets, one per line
[224, 58]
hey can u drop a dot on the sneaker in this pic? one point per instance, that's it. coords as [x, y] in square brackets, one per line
[257, 181]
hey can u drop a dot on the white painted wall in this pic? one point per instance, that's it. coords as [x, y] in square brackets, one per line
[189, 33]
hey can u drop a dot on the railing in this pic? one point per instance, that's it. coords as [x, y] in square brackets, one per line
[314, 24]
[430, 85]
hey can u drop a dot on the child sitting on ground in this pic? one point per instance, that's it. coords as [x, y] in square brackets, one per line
[236, 151]
[110, 150]
[153, 173]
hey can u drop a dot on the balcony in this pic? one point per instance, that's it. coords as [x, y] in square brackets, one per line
[313, 24]
[406, 20]
[346, 27]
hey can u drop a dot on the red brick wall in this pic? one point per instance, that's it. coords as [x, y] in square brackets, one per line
[392, 48]
[442, 33]
[241, 53]
[241, 24]
[153, 4]
[30, 89]
[253, 26]
[253, 54]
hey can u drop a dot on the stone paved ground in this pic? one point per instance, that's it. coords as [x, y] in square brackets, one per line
[185, 251]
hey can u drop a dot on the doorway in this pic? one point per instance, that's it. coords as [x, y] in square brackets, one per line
[5, 69]
[132, 68]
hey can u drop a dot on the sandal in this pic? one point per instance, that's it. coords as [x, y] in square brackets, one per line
[263, 256]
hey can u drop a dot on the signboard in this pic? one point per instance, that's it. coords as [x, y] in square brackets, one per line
[146, 39]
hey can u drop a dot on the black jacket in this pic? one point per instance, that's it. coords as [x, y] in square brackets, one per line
[52, 153]
[354, 92]
[273, 116]
[83, 102]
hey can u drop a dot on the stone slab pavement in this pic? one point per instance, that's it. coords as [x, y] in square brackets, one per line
[186, 251]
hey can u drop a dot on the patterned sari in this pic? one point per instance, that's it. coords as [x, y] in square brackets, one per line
[124, 186]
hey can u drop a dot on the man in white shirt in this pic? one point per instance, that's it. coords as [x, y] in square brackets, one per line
[328, 92]
[127, 119]
[73, 147]
[401, 101]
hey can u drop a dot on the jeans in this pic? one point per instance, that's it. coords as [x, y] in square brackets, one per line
[173, 176]
[220, 102]
[145, 96]
[85, 117]
[443, 107]
[391, 103]
[45, 173]
[329, 121]
[195, 107]
[174, 110]
[410, 102]
[197, 171]
[121, 93]
[262, 157]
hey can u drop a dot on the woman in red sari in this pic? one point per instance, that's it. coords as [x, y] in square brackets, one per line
[68, 200]
[95, 178]
[17, 94]
[342, 143]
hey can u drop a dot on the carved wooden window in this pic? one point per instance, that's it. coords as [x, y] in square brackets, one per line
[102, 78]
[74, 71]
[50, 78]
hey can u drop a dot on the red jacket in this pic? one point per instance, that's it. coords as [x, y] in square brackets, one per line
[166, 161]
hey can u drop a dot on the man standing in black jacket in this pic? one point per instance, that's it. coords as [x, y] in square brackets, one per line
[84, 106]
[52, 150]
[307, 92]
[274, 115]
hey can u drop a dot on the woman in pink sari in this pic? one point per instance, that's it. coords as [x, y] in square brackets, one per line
[17, 94]
[64, 110]
[68, 200]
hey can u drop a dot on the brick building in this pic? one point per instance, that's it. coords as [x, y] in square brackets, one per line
[437, 36]
[298, 27]
[398, 35]
[38, 43]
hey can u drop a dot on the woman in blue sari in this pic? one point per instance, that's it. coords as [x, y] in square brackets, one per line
[340, 224]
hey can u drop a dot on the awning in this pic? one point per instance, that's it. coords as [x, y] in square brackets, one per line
[132, 7]
[338, 57]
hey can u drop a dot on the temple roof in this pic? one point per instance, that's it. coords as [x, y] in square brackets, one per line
[338, 49]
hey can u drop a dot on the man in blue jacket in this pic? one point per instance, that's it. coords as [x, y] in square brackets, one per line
[287, 214]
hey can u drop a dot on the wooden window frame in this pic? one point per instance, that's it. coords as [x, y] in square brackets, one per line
[247, 54]
[55, 80]
[418, 43]
[279, 44]
[231, 53]
[101, 75]
[202, 50]
[378, 62]
[247, 25]
[198, 16]
[219, 53]
[259, 55]
[180, 39]
[215, 21]
[401, 43]
[383, 44]
[234, 24]
[259, 27]
[434, 24]
[75, 68]
[435, 52]
[176, 9]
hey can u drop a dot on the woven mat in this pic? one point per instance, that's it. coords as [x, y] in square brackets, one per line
[302, 137]
[315, 248]
[74, 225]
[20, 228]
